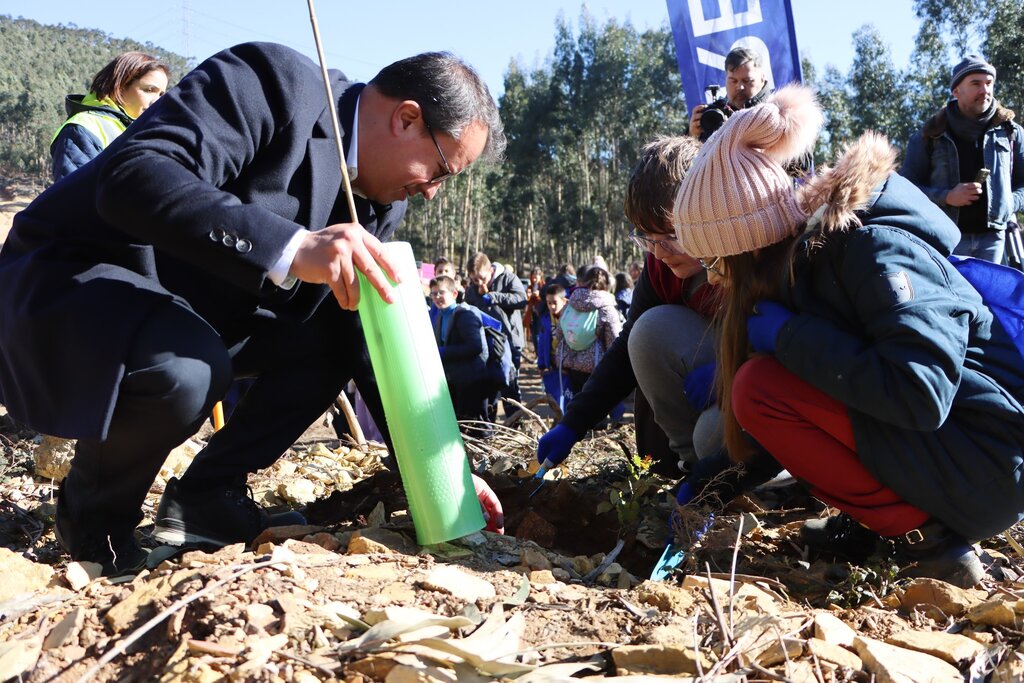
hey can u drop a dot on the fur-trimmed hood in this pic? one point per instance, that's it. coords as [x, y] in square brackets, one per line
[847, 196]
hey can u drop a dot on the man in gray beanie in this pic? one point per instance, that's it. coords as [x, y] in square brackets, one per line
[968, 160]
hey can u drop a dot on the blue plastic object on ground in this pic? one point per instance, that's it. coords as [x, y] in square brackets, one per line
[674, 553]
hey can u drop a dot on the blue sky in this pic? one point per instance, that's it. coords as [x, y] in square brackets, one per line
[360, 37]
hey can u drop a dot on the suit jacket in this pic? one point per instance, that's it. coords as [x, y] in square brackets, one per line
[194, 203]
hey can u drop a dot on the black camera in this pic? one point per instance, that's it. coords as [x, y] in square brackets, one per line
[715, 114]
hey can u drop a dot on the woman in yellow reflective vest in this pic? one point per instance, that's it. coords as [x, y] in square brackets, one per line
[121, 91]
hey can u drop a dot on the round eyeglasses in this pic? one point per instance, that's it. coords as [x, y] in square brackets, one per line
[711, 267]
[668, 244]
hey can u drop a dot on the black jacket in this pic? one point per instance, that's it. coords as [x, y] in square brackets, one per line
[195, 202]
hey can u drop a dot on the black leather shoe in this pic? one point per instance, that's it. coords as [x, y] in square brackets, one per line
[935, 551]
[841, 536]
[118, 553]
[216, 517]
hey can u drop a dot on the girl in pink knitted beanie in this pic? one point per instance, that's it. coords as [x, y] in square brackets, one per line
[851, 348]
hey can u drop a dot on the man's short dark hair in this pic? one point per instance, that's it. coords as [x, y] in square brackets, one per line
[738, 56]
[654, 180]
[450, 93]
[566, 269]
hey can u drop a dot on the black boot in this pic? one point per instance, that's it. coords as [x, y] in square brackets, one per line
[935, 551]
[213, 517]
[114, 549]
[840, 535]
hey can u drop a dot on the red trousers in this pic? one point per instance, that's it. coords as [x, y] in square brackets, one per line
[809, 433]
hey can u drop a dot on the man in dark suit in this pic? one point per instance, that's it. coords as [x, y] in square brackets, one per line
[201, 246]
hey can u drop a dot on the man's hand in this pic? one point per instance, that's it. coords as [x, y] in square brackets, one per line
[493, 513]
[963, 194]
[695, 129]
[335, 255]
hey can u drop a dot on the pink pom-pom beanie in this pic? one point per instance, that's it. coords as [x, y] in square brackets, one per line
[737, 197]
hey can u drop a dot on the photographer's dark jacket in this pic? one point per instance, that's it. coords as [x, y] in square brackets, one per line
[194, 203]
[933, 384]
[932, 163]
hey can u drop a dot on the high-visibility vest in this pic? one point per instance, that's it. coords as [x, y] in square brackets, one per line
[103, 118]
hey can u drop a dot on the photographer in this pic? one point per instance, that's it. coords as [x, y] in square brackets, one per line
[745, 86]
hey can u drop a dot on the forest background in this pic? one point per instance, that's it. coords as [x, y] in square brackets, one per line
[575, 124]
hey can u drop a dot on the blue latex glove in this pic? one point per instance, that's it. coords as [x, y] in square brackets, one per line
[701, 472]
[699, 386]
[764, 325]
[554, 446]
[685, 493]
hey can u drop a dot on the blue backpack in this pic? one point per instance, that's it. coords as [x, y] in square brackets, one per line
[1001, 289]
[500, 371]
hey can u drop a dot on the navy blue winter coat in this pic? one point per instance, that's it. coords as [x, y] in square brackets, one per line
[934, 385]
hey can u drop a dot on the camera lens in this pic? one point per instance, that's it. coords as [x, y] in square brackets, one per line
[711, 119]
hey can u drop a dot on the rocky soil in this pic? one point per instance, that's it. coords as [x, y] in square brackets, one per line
[564, 595]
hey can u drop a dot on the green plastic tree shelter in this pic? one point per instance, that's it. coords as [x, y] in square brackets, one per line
[429, 448]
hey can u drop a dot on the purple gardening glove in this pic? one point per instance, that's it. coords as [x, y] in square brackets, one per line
[764, 325]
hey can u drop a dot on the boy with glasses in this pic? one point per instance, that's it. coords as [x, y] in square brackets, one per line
[666, 343]
[459, 334]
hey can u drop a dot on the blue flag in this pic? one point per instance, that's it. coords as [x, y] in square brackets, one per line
[706, 30]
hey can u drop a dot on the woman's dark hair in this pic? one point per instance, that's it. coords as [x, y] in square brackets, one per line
[623, 281]
[113, 79]
[450, 93]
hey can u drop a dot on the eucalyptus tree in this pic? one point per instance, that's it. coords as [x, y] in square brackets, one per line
[876, 91]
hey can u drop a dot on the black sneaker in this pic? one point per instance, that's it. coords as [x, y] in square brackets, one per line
[935, 551]
[841, 536]
[118, 554]
[213, 518]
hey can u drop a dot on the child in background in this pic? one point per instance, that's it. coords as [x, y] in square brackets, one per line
[556, 383]
[588, 328]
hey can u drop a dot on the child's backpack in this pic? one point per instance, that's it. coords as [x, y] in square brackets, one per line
[500, 371]
[1001, 289]
[579, 328]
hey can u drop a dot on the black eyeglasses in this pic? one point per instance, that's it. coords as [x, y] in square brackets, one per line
[711, 267]
[668, 244]
[448, 173]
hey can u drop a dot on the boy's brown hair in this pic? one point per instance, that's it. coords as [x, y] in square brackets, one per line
[653, 182]
[443, 281]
